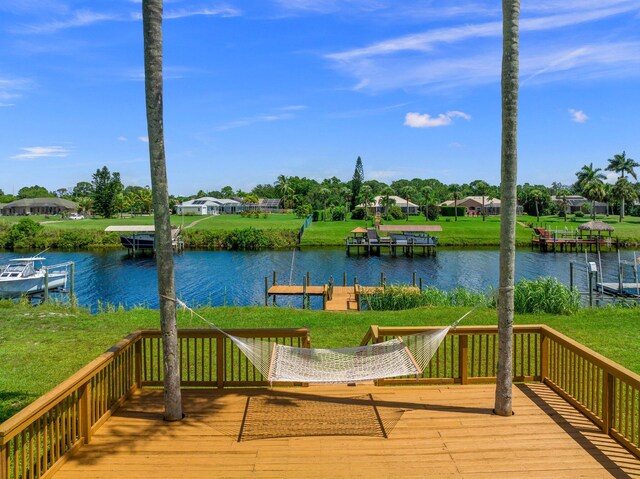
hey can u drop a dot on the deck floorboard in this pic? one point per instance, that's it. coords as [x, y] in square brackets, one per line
[334, 431]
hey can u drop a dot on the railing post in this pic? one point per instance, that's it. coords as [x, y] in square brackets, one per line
[138, 360]
[608, 402]
[266, 291]
[544, 357]
[463, 358]
[220, 366]
[4, 459]
[85, 412]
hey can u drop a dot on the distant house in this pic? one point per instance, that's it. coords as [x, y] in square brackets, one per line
[576, 202]
[2, 205]
[473, 204]
[215, 206]
[39, 206]
[376, 205]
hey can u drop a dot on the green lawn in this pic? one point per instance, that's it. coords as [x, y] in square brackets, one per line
[43, 346]
[468, 231]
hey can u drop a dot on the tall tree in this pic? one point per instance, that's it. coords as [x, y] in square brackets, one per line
[623, 190]
[621, 164]
[409, 193]
[563, 201]
[106, 187]
[588, 173]
[386, 200]
[366, 194]
[35, 191]
[454, 190]
[152, 25]
[508, 194]
[356, 182]
[324, 194]
[536, 196]
[481, 188]
[346, 194]
[594, 191]
[426, 193]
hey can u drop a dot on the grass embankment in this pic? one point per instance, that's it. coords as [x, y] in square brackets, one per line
[43, 346]
[469, 231]
[281, 230]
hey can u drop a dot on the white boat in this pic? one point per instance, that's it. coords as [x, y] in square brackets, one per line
[27, 276]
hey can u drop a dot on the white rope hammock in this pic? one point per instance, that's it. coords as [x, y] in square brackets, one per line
[396, 357]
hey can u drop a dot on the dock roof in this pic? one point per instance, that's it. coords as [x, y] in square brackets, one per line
[413, 228]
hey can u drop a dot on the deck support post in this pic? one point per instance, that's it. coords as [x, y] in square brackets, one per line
[414, 278]
[85, 412]
[72, 280]
[266, 291]
[590, 289]
[463, 358]
[544, 357]
[4, 460]
[571, 275]
[220, 361]
[608, 402]
[138, 362]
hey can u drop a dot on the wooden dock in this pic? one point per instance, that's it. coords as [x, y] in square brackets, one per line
[560, 241]
[334, 298]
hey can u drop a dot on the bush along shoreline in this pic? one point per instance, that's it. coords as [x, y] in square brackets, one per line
[28, 234]
[543, 295]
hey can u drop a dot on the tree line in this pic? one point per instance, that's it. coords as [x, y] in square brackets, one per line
[105, 195]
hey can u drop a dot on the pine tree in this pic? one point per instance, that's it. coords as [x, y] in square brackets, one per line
[106, 187]
[356, 183]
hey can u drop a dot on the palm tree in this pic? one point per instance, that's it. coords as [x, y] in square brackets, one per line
[324, 194]
[481, 188]
[409, 192]
[386, 202]
[621, 164]
[562, 196]
[346, 194]
[536, 195]
[152, 26]
[508, 194]
[365, 194]
[588, 173]
[623, 190]
[594, 190]
[426, 192]
[283, 186]
[454, 189]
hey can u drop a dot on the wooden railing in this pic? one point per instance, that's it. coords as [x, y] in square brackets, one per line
[35, 442]
[39, 439]
[602, 390]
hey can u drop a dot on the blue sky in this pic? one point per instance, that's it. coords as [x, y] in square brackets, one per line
[259, 88]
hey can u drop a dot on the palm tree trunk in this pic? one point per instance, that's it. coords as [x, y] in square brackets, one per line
[510, 72]
[455, 208]
[152, 24]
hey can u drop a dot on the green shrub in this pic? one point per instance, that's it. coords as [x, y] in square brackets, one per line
[545, 295]
[317, 215]
[23, 234]
[338, 213]
[451, 211]
[358, 213]
[579, 214]
[303, 211]
[431, 212]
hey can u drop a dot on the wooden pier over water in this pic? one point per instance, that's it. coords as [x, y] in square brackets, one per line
[406, 240]
[334, 298]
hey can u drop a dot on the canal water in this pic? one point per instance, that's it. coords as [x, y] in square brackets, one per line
[237, 277]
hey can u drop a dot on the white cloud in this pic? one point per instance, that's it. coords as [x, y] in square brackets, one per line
[33, 152]
[578, 116]
[252, 120]
[143, 139]
[222, 11]
[122, 138]
[417, 120]
[81, 18]
[294, 107]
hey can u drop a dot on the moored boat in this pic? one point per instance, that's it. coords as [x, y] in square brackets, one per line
[29, 276]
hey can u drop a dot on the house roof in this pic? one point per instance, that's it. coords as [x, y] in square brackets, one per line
[208, 201]
[399, 201]
[476, 200]
[42, 203]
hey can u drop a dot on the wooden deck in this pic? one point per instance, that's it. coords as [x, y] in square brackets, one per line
[339, 431]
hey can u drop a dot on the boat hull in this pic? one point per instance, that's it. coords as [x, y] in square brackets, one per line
[16, 287]
[136, 242]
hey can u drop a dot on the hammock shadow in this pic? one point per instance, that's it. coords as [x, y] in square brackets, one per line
[281, 415]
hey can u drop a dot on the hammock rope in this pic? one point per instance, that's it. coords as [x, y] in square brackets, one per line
[408, 356]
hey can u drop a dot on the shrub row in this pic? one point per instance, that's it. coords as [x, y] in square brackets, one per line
[543, 295]
[240, 239]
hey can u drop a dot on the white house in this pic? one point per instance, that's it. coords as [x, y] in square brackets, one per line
[376, 205]
[207, 206]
